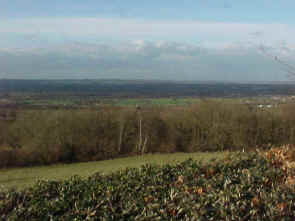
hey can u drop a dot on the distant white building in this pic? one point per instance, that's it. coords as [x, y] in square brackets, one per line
[264, 105]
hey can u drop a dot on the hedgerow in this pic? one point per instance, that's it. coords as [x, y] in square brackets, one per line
[244, 186]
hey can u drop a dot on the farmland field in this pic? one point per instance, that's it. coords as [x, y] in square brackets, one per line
[24, 177]
[75, 93]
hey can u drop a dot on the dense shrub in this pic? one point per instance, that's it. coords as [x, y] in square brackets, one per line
[85, 135]
[241, 187]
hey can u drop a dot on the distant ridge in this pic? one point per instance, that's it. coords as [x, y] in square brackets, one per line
[117, 80]
[147, 88]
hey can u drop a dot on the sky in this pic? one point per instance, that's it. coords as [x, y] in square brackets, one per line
[213, 33]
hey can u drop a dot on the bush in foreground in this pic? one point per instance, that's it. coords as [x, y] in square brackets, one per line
[242, 187]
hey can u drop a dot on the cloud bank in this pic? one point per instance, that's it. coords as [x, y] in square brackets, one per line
[145, 49]
[145, 60]
[58, 30]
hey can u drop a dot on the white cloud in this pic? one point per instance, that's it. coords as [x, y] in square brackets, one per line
[170, 60]
[214, 50]
[211, 33]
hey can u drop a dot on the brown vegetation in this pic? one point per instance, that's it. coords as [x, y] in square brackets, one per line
[52, 136]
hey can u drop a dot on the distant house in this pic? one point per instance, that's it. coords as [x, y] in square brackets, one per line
[264, 105]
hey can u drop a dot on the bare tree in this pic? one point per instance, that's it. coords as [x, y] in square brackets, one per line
[285, 66]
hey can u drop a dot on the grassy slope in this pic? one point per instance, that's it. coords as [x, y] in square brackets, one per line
[24, 177]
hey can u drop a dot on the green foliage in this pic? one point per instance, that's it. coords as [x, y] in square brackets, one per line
[241, 187]
[23, 177]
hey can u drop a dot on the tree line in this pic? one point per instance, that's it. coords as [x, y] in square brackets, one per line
[64, 136]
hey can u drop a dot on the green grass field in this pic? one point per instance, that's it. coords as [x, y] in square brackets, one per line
[153, 101]
[24, 177]
[69, 101]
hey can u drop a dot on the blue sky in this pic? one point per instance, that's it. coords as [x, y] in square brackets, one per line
[194, 21]
[147, 26]
[257, 11]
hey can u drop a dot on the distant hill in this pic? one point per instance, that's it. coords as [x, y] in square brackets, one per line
[147, 88]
